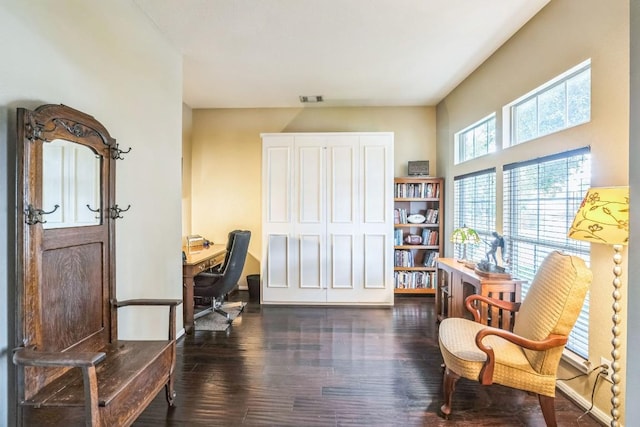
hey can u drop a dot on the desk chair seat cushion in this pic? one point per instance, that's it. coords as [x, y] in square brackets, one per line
[205, 285]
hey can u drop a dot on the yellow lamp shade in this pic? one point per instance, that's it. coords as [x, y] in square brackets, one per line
[603, 217]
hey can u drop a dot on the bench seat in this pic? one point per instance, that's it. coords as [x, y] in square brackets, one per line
[129, 376]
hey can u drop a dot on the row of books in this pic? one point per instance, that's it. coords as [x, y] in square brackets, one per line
[429, 237]
[405, 258]
[421, 190]
[414, 279]
[430, 258]
[400, 216]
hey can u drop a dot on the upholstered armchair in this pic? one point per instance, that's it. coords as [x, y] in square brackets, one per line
[527, 358]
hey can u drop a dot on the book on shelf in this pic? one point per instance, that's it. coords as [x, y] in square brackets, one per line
[430, 259]
[431, 216]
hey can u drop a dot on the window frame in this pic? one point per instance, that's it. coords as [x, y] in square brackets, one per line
[509, 111]
[459, 146]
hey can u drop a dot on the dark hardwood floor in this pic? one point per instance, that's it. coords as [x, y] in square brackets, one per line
[336, 366]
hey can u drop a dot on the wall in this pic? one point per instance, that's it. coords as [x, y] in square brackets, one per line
[106, 59]
[633, 334]
[187, 129]
[562, 35]
[227, 157]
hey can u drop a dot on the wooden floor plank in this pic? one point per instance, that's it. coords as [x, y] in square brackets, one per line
[333, 366]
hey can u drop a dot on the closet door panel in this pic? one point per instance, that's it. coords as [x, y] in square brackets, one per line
[279, 249]
[311, 271]
[342, 182]
[277, 261]
[277, 185]
[310, 185]
[375, 272]
[309, 223]
[374, 177]
[342, 263]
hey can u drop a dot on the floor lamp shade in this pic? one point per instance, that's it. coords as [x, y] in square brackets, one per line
[603, 217]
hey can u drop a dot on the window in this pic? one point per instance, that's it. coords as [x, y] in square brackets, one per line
[475, 207]
[559, 104]
[541, 198]
[476, 140]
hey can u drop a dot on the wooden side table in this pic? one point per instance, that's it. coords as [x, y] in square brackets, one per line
[455, 282]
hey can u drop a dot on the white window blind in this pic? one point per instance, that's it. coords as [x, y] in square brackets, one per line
[475, 207]
[541, 197]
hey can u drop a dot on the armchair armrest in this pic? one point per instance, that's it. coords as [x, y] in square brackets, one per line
[171, 303]
[502, 304]
[486, 374]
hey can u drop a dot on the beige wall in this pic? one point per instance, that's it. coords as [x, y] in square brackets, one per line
[227, 155]
[187, 130]
[106, 59]
[562, 35]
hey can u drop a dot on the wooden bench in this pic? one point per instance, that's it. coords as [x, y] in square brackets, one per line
[73, 368]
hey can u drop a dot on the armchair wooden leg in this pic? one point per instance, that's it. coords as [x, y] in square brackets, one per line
[548, 410]
[448, 385]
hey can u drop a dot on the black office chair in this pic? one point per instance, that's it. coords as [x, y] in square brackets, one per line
[215, 285]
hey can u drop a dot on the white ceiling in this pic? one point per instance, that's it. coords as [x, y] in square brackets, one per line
[265, 53]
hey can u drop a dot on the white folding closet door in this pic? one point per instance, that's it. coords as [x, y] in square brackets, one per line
[334, 245]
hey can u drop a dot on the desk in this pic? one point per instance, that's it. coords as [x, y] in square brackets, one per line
[197, 261]
[455, 282]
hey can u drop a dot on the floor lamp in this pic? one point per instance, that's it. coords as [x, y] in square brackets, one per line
[603, 217]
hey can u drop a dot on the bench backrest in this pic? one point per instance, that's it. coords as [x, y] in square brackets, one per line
[65, 270]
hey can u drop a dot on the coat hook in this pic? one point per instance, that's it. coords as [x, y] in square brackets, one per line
[34, 215]
[116, 211]
[94, 210]
[116, 153]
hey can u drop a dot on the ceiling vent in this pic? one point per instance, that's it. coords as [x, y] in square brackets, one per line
[311, 99]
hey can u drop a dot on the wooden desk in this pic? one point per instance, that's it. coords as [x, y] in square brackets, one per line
[455, 282]
[197, 261]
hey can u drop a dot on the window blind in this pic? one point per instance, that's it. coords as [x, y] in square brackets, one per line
[541, 197]
[475, 207]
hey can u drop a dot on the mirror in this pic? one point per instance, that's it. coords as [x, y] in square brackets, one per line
[71, 180]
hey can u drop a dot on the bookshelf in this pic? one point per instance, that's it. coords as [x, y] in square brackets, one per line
[418, 232]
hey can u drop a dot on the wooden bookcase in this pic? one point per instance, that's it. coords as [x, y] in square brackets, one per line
[415, 263]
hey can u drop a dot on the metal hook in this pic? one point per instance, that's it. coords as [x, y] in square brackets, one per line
[116, 211]
[95, 210]
[34, 215]
[116, 153]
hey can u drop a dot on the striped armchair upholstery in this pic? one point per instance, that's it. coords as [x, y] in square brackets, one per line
[528, 357]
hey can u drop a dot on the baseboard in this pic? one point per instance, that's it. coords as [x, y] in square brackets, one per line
[579, 400]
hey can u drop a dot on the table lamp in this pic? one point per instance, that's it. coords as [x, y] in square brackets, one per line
[603, 217]
[465, 236]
